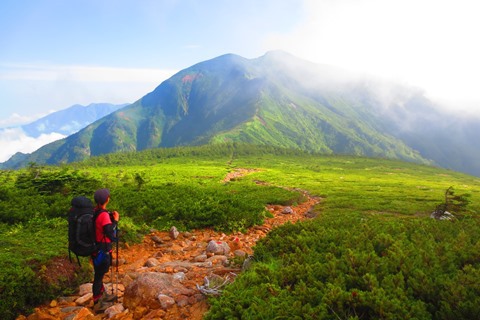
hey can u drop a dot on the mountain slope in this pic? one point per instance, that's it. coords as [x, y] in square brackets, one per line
[276, 99]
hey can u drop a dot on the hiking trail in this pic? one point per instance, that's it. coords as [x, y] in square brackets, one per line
[179, 258]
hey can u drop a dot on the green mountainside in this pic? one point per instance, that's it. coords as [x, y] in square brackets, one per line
[278, 100]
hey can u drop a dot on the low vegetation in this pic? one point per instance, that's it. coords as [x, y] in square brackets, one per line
[373, 251]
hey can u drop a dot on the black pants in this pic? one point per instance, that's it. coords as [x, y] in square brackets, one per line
[99, 272]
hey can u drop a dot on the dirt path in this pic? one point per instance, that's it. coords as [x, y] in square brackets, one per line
[165, 250]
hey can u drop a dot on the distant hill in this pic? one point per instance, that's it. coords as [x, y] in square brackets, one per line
[280, 100]
[70, 120]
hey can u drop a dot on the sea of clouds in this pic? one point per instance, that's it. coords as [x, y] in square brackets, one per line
[13, 140]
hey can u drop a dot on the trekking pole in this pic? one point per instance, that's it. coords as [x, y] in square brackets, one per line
[111, 272]
[116, 263]
[111, 266]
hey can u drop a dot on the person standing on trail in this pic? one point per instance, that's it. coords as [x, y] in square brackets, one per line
[105, 235]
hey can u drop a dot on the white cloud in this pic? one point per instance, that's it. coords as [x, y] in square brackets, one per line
[46, 72]
[429, 43]
[14, 140]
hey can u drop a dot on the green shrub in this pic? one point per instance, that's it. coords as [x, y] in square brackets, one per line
[357, 267]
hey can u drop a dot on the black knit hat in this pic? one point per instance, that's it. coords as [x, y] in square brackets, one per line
[101, 196]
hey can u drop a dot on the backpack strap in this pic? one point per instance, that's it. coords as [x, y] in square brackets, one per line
[97, 212]
[70, 257]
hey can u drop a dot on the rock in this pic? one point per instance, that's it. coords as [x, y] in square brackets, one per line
[288, 210]
[180, 276]
[182, 301]
[442, 215]
[127, 280]
[120, 287]
[218, 259]
[70, 309]
[247, 263]
[173, 232]
[83, 314]
[65, 300]
[84, 289]
[114, 310]
[165, 301]
[239, 253]
[206, 264]
[174, 266]
[218, 247]
[152, 262]
[157, 239]
[84, 299]
[200, 258]
[115, 288]
[144, 290]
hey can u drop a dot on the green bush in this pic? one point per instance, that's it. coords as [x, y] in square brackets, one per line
[357, 267]
[27, 250]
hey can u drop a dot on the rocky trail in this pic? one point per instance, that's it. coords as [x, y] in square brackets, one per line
[169, 274]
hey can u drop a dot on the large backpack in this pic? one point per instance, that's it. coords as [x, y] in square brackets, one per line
[81, 228]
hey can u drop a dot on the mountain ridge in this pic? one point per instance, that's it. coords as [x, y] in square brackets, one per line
[275, 99]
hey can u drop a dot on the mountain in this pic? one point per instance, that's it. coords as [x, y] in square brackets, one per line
[277, 99]
[70, 120]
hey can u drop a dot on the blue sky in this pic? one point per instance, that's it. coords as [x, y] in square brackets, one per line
[58, 53]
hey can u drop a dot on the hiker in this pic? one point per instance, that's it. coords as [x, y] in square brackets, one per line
[105, 235]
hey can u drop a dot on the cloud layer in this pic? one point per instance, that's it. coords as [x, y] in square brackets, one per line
[430, 44]
[13, 140]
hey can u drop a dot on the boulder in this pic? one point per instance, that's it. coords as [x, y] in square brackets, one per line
[218, 247]
[146, 288]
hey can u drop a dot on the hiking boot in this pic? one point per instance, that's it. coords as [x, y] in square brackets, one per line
[108, 297]
[101, 306]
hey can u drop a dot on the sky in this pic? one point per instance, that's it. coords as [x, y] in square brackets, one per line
[57, 53]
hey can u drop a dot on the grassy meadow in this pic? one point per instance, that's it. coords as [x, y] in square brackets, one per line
[372, 252]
